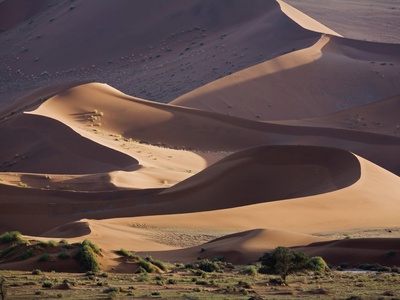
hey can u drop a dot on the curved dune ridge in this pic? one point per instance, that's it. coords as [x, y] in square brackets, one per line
[298, 141]
[296, 80]
[271, 173]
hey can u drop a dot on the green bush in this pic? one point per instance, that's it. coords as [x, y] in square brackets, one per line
[94, 247]
[63, 255]
[317, 264]
[112, 289]
[209, 266]
[87, 256]
[47, 284]
[147, 266]
[249, 270]
[27, 254]
[36, 272]
[44, 257]
[391, 253]
[143, 278]
[48, 244]
[13, 247]
[10, 237]
[157, 263]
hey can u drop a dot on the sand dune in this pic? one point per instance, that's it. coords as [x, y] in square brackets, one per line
[340, 74]
[302, 139]
[357, 251]
[181, 44]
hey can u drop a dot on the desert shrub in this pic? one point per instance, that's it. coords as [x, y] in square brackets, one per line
[63, 255]
[209, 266]
[189, 266]
[244, 284]
[36, 272]
[157, 263]
[13, 247]
[44, 257]
[202, 282]
[249, 270]
[143, 278]
[374, 267]
[172, 281]
[94, 247]
[48, 244]
[391, 253]
[147, 266]
[47, 284]
[10, 237]
[87, 256]
[317, 264]
[127, 253]
[71, 282]
[124, 252]
[27, 254]
[115, 289]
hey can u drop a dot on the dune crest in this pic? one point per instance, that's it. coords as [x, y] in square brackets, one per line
[303, 20]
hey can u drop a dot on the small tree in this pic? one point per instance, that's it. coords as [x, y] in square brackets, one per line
[283, 261]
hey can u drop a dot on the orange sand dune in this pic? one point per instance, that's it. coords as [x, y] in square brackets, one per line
[332, 75]
[305, 142]
[120, 117]
[239, 248]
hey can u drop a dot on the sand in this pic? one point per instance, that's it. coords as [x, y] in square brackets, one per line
[297, 149]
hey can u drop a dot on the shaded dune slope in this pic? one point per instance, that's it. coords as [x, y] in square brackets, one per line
[252, 176]
[242, 247]
[249, 246]
[269, 174]
[146, 40]
[41, 145]
[356, 251]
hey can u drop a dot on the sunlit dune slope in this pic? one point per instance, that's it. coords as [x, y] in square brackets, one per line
[333, 75]
[105, 115]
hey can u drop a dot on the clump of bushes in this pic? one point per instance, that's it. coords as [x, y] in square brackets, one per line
[44, 257]
[87, 256]
[63, 255]
[157, 263]
[47, 244]
[27, 254]
[13, 247]
[249, 270]
[36, 272]
[11, 236]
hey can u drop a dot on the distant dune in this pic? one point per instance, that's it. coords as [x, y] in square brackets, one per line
[282, 131]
